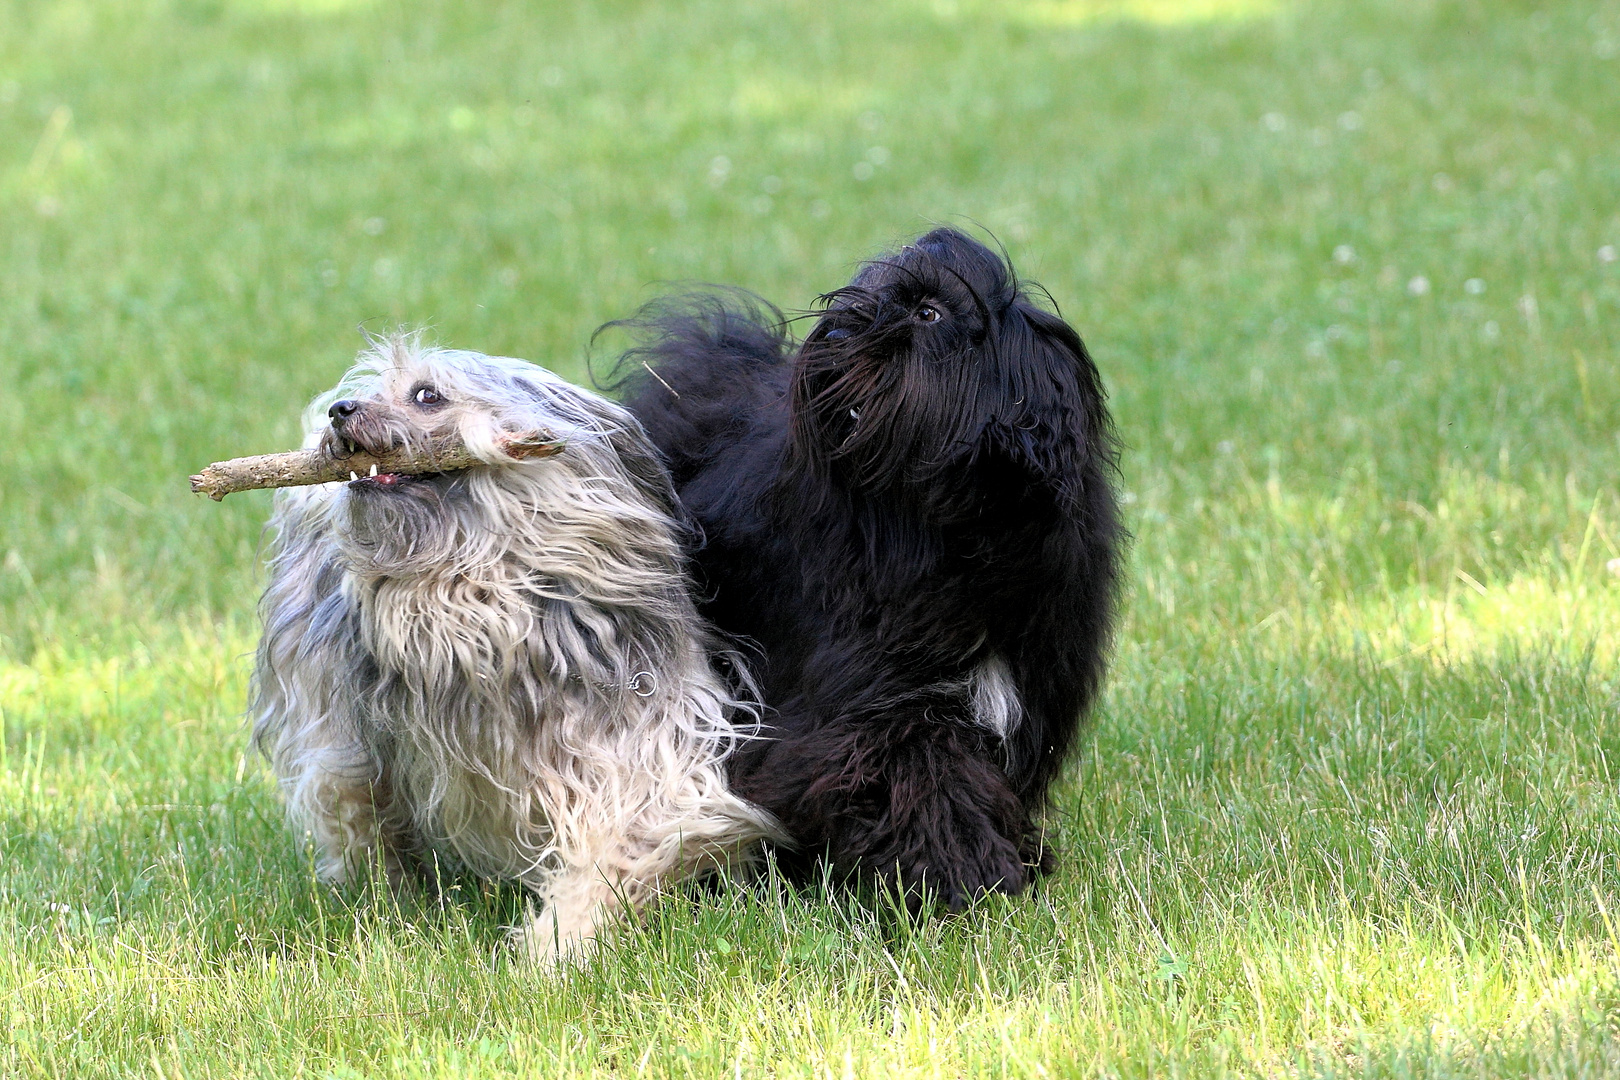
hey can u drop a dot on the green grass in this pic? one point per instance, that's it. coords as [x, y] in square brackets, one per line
[1350, 809]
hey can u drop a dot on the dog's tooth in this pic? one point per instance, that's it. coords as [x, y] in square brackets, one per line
[374, 468]
[352, 475]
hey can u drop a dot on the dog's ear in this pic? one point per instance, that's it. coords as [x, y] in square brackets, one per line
[1062, 429]
[628, 440]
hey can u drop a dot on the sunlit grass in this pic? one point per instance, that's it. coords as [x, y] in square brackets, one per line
[1272, 861]
[1360, 570]
[301, 7]
[1349, 808]
[1240, 895]
[1078, 12]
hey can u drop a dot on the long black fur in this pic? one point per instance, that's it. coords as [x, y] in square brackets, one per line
[919, 488]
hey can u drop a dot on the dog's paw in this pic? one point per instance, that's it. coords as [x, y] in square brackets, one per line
[1038, 856]
[547, 947]
[962, 877]
[951, 872]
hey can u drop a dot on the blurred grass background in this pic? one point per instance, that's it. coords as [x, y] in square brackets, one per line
[1349, 270]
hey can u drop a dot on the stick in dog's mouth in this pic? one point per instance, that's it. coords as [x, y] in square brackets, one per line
[299, 468]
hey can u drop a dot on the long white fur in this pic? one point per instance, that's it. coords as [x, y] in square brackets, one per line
[996, 704]
[451, 673]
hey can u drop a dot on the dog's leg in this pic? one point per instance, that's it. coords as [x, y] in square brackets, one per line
[580, 903]
[344, 805]
[942, 824]
[622, 868]
[911, 800]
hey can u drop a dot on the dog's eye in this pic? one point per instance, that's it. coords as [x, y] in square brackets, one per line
[427, 396]
[928, 314]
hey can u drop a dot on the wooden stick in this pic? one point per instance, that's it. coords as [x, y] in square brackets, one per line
[298, 468]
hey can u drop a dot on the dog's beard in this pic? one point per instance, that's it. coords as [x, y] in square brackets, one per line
[415, 523]
[391, 524]
[880, 408]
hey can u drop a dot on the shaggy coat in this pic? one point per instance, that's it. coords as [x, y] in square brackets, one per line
[912, 514]
[498, 670]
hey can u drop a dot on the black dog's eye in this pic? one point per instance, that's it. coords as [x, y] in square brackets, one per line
[426, 395]
[928, 314]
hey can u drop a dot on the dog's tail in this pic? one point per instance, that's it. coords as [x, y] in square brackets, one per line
[702, 368]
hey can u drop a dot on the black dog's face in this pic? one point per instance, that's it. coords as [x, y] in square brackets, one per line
[932, 357]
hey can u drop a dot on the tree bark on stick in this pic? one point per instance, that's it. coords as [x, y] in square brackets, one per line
[299, 468]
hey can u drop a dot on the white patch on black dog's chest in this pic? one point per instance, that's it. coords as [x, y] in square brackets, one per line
[995, 696]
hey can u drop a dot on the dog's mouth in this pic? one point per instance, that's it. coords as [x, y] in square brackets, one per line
[340, 444]
[387, 481]
[354, 438]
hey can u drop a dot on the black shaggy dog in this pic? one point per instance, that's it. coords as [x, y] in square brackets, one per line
[911, 514]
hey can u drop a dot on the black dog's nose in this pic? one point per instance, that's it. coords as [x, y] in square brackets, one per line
[342, 410]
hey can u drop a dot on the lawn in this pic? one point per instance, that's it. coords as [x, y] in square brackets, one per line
[1349, 269]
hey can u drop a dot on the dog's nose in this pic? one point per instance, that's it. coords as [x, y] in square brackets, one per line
[342, 410]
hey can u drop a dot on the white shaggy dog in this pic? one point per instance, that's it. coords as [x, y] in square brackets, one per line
[499, 669]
